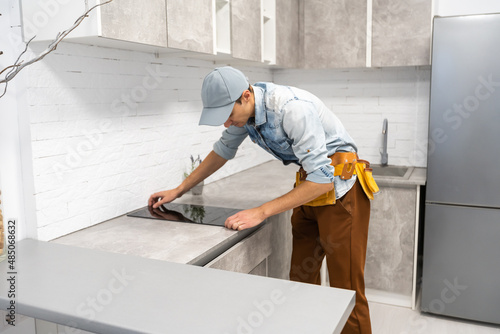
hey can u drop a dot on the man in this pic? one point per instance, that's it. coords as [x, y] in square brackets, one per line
[331, 210]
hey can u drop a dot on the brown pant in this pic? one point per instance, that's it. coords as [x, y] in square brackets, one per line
[339, 232]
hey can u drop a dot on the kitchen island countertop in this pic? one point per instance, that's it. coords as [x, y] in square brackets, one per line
[105, 292]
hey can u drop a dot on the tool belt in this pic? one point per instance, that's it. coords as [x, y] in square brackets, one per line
[346, 165]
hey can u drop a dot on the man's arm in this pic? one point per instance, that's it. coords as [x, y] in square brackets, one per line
[208, 166]
[301, 194]
[303, 126]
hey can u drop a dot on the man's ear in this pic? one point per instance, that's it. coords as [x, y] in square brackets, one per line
[246, 95]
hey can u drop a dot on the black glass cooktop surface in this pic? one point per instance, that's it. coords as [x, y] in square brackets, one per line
[186, 213]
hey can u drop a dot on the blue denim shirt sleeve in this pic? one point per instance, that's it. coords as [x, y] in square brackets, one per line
[303, 126]
[228, 144]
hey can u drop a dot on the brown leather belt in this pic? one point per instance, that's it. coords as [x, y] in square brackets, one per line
[346, 165]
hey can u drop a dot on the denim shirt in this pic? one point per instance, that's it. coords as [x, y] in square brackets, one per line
[294, 126]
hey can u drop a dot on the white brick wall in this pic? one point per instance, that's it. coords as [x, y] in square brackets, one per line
[110, 127]
[362, 98]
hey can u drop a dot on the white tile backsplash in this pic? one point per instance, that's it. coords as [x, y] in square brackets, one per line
[110, 127]
[362, 98]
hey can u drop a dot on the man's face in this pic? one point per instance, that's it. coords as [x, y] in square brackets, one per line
[241, 112]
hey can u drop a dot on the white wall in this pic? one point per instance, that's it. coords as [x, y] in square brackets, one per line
[110, 127]
[16, 179]
[362, 98]
[465, 7]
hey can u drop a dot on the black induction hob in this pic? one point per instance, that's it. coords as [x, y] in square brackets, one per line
[186, 213]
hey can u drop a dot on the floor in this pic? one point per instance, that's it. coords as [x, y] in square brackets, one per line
[387, 319]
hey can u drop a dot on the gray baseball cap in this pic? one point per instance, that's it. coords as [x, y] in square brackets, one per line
[221, 88]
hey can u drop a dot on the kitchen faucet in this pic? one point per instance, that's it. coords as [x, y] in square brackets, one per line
[383, 152]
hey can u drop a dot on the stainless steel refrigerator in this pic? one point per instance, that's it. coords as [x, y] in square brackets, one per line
[461, 254]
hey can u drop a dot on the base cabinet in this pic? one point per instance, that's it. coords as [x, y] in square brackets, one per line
[266, 252]
[248, 256]
[390, 271]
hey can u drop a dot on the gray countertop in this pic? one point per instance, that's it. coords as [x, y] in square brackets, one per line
[157, 239]
[104, 292]
[183, 242]
[417, 176]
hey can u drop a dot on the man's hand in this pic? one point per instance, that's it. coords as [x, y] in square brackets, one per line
[163, 197]
[301, 194]
[245, 219]
[208, 166]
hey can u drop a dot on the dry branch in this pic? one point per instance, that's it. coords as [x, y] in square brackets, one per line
[20, 64]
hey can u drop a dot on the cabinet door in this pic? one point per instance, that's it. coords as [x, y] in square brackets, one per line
[335, 33]
[401, 32]
[246, 29]
[143, 23]
[190, 25]
[391, 241]
[287, 33]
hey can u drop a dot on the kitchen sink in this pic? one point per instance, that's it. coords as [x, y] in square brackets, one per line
[392, 171]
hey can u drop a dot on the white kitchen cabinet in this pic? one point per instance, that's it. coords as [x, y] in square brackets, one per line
[223, 26]
[246, 31]
[269, 25]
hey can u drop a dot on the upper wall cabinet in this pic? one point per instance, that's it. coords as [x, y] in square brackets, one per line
[334, 33]
[288, 50]
[153, 25]
[190, 25]
[144, 24]
[401, 32]
[246, 29]
[286, 33]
